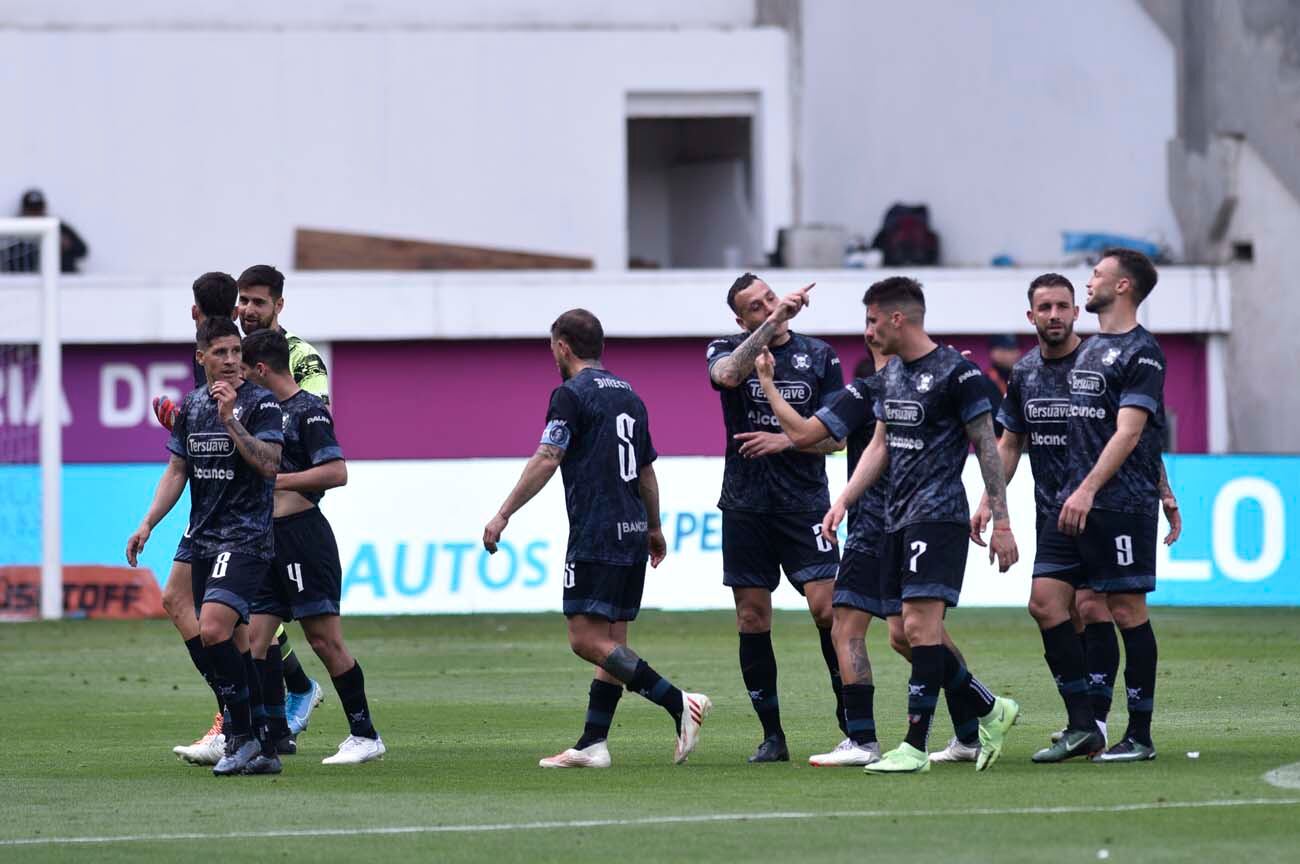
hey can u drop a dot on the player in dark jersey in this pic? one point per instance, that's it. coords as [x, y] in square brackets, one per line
[306, 576]
[773, 495]
[932, 402]
[1113, 482]
[598, 434]
[226, 439]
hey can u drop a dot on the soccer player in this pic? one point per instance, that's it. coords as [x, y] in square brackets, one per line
[1113, 483]
[932, 402]
[306, 575]
[773, 495]
[598, 434]
[261, 300]
[226, 440]
[849, 416]
[215, 295]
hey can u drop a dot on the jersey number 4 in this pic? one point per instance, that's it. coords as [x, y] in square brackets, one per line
[623, 425]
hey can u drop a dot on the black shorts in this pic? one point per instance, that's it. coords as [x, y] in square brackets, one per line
[756, 547]
[184, 552]
[1116, 554]
[609, 591]
[306, 576]
[925, 561]
[858, 586]
[230, 578]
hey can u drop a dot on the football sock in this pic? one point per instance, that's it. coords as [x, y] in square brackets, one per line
[295, 680]
[256, 705]
[1102, 663]
[923, 693]
[658, 690]
[351, 687]
[833, 666]
[965, 724]
[232, 685]
[199, 657]
[271, 673]
[758, 668]
[859, 712]
[602, 699]
[1140, 680]
[1064, 658]
[957, 679]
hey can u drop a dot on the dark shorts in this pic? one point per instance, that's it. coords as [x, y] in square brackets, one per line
[1116, 554]
[184, 552]
[230, 578]
[858, 586]
[306, 576]
[609, 591]
[756, 547]
[925, 561]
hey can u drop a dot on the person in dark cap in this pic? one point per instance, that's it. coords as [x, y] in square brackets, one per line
[24, 256]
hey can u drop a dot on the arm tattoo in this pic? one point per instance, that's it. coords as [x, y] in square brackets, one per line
[859, 660]
[1165, 490]
[826, 445]
[550, 451]
[740, 363]
[980, 432]
[262, 455]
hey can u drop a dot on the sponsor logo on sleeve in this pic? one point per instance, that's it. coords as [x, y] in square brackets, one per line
[967, 375]
[1148, 361]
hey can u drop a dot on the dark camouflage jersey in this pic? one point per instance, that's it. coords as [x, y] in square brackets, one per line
[308, 437]
[1037, 406]
[926, 405]
[230, 503]
[1114, 371]
[850, 414]
[603, 427]
[807, 373]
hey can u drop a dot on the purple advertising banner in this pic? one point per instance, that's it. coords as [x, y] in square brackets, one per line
[108, 392]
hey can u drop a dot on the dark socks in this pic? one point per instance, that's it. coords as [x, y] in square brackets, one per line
[271, 673]
[965, 724]
[295, 680]
[958, 680]
[351, 687]
[232, 685]
[658, 690]
[923, 693]
[833, 666]
[859, 714]
[758, 668]
[1140, 680]
[255, 703]
[199, 657]
[1102, 663]
[602, 699]
[1061, 647]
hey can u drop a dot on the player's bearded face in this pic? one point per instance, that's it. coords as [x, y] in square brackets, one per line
[256, 309]
[1054, 314]
[1101, 287]
[755, 305]
[557, 352]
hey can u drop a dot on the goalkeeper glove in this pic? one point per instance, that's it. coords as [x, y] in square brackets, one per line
[165, 410]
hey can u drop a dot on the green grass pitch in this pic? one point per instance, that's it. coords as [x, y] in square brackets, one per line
[90, 710]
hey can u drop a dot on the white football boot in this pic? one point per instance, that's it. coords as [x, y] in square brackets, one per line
[592, 756]
[354, 751]
[208, 750]
[695, 708]
[956, 752]
[847, 752]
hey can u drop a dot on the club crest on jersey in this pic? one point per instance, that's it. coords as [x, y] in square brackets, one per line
[801, 361]
[924, 383]
[1111, 356]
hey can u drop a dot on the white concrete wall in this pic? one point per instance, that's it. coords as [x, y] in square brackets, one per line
[1263, 353]
[189, 150]
[1012, 119]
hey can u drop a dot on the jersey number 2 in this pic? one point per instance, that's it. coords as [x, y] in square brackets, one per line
[623, 425]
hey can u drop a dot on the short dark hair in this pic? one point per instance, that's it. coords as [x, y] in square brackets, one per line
[263, 274]
[742, 282]
[895, 291]
[583, 333]
[1137, 267]
[1050, 280]
[267, 346]
[215, 294]
[214, 328]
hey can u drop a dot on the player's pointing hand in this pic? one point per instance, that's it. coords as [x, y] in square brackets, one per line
[492, 532]
[765, 365]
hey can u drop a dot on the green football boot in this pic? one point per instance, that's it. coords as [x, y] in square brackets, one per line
[994, 727]
[903, 759]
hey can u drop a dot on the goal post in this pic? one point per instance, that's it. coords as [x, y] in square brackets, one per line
[44, 233]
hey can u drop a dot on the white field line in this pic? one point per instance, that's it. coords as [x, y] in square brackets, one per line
[1286, 777]
[647, 820]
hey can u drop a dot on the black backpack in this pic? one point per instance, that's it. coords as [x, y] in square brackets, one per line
[905, 238]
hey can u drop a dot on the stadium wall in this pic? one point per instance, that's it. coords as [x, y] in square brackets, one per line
[409, 535]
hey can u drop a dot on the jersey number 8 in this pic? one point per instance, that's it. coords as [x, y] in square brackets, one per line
[623, 425]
